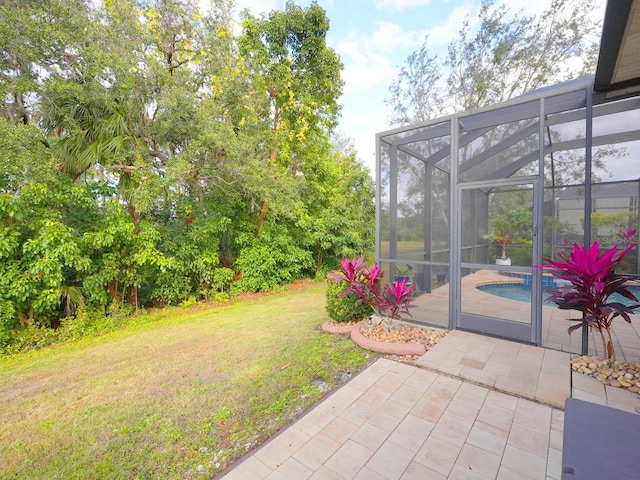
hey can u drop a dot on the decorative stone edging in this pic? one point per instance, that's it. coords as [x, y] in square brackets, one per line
[374, 345]
[338, 329]
[386, 347]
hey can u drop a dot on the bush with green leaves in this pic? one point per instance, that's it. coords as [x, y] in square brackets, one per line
[270, 261]
[172, 287]
[344, 309]
[8, 321]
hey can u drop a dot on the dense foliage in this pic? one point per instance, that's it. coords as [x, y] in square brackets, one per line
[344, 308]
[148, 156]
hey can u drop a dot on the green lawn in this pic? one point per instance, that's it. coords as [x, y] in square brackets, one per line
[177, 397]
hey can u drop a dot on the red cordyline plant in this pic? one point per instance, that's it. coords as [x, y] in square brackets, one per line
[591, 285]
[364, 281]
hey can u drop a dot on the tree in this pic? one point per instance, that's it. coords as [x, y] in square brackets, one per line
[40, 254]
[291, 62]
[143, 145]
[338, 215]
[129, 116]
[506, 56]
[40, 42]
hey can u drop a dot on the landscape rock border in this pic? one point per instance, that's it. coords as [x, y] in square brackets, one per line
[616, 374]
[390, 348]
[340, 328]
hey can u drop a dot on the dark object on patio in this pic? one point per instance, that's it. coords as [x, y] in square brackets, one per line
[599, 442]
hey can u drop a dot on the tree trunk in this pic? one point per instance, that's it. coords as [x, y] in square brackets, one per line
[113, 291]
[132, 298]
[604, 344]
[610, 352]
[264, 211]
[320, 260]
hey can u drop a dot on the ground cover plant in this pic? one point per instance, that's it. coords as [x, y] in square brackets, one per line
[178, 396]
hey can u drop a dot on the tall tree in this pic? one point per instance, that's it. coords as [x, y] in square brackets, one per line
[337, 219]
[40, 254]
[505, 56]
[288, 54]
[155, 141]
[39, 42]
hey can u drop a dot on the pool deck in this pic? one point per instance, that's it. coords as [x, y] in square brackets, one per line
[626, 337]
[474, 407]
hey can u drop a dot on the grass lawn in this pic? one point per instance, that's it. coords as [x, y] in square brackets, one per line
[179, 396]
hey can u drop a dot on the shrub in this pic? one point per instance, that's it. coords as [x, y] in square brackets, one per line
[171, 287]
[347, 308]
[270, 261]
[591, 284]
[364, 282]
[8, 322]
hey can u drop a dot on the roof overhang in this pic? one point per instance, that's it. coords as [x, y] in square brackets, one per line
[618, 71]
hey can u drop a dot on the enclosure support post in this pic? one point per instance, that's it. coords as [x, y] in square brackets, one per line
[393, 206]
[454, 228]
[538, 233]
[428, 225]
[637, 227]
[587, 195]
[378, 195]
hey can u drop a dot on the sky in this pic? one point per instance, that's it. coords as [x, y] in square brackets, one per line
[373, 39]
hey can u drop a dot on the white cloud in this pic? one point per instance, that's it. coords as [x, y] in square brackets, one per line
[400, 4]
[441, 35]
[389, 36]
[367, 59]
[361, 122]
[368, 73]
[256, 6]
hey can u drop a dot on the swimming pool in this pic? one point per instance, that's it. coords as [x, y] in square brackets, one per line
[522, 293]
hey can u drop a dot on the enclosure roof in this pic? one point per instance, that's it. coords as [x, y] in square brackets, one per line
[618, 70]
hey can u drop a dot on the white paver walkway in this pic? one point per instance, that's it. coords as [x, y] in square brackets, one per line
[476, 408]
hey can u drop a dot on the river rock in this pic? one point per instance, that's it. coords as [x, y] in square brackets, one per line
[614, 373]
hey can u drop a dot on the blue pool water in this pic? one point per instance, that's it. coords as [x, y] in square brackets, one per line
[522, 293]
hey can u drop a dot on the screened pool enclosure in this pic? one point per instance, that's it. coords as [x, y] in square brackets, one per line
[481, 197]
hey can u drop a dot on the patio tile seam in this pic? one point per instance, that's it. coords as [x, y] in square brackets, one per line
[492, 387]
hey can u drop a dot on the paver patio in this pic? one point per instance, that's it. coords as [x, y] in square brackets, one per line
[475, 408]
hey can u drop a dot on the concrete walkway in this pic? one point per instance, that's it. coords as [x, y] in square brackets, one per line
[475, 408]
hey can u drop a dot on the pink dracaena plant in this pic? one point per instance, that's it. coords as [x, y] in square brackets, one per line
[628, 236]
[400, 297]
[364, 282]
[590, 285]
[361, 280]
